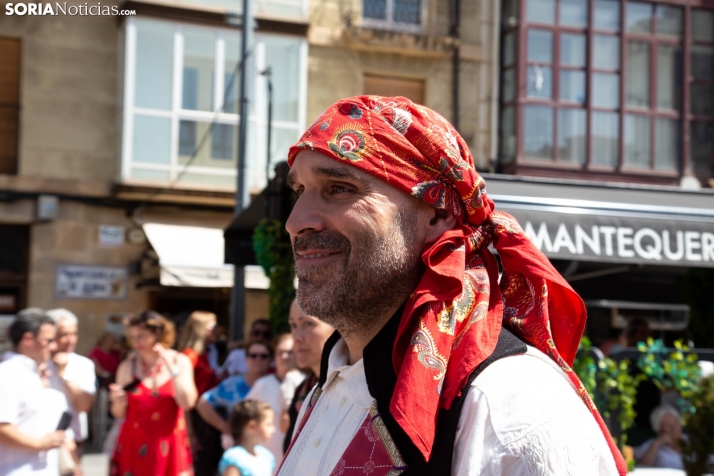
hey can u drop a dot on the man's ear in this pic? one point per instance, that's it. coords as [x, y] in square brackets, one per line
[440, 222]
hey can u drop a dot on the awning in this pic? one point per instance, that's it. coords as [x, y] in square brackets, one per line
[275, 201]
[611, 222]
[238, 235]
[193, 256]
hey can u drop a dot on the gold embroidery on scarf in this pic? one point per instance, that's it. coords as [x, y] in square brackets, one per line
[506, 222]
[427, 353]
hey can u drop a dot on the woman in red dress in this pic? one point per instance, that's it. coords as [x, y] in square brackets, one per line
[154, 385]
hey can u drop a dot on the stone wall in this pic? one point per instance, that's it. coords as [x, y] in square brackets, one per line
[73, 239]
[341, 52]
[68, 96]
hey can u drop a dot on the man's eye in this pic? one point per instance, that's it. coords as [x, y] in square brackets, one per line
[338, 189]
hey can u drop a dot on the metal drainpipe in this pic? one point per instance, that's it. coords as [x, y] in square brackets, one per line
[495, 89]
[455, 33]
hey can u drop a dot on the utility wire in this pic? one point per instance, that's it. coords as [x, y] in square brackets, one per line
[148, 200]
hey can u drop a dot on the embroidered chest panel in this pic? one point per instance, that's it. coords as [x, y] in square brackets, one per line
[372, 451]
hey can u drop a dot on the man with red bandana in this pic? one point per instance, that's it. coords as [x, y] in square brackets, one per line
[437, 366]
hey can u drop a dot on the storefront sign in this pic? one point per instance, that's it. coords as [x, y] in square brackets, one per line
[7, 302]
[90, 282]
[110, 235]
[619, 239]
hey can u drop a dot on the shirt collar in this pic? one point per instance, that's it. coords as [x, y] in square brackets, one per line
[338, 366]
[24, 360]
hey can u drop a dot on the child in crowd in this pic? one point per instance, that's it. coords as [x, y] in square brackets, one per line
[251, 424]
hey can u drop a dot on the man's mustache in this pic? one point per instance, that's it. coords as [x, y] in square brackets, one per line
[327, 240]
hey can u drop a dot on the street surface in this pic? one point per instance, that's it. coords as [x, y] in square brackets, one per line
[96, 464]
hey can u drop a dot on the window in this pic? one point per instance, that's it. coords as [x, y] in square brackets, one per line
[653, 86]
[556, 55]
[602, 85]
[406, 15]
[390, 86]
[701, 93]
[9, 104]
[181, 90]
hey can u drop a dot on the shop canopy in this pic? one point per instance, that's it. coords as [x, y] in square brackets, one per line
[193, 256]
[616, 223]
[274, 202]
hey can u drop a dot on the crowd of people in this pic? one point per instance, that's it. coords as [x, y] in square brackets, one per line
[46, 390]
[181, 406]
[178, 411]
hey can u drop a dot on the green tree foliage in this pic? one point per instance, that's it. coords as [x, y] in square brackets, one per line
[611, 387]
[671, 370]
[273, 251]
[700, 430]
[698, 292]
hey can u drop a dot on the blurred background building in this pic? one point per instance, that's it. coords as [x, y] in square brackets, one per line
[593, 120]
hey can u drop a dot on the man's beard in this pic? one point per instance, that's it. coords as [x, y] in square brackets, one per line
[378, 272]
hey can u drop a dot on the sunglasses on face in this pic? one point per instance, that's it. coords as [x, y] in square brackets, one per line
[258, 356]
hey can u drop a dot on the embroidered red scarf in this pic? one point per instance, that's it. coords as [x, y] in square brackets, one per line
[452, 319]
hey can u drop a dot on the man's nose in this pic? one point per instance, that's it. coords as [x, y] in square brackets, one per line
[307, 216]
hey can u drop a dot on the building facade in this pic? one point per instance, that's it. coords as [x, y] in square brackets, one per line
[117, 128]
[114, 129]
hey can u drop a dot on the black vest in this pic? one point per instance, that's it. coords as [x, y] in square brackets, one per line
[381, 381]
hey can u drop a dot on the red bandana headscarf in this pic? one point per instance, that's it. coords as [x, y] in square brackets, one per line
[453, 318]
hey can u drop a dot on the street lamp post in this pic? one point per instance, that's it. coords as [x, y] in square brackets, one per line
[246, 76]
[267, 72]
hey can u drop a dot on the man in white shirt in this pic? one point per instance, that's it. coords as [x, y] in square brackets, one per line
[437, 366]
[29, 411]
[72, 374]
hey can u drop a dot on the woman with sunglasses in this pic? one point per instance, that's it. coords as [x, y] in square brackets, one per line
[215, 405]
[236, 361]
[278, 389]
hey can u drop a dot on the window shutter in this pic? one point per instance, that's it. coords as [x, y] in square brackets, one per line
[9, 104]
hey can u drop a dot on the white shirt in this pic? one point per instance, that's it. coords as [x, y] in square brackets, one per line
[34, 410]
[79, 371]
[235, 363]
[667, 457]
[278, 395]
[522, 417]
